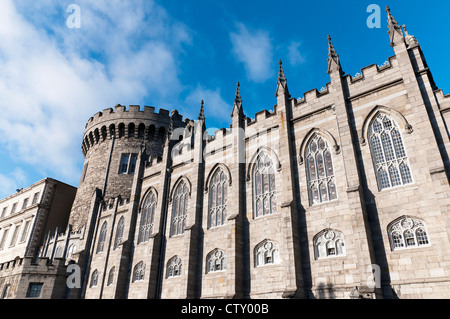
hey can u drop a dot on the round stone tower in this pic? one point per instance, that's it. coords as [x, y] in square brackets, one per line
[111, 143]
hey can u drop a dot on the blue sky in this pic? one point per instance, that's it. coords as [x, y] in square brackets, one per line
[172, 54]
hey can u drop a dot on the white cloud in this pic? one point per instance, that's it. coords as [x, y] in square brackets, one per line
[215, 107]
[254, 49]
[54, 78]
[294, 54]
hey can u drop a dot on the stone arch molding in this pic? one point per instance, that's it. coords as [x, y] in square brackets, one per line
[325, 134]
[217, 166]
[391, 112]
[151, 189]
[179, 180]
[260, 150]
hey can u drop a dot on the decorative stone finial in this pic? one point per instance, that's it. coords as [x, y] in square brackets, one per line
[393, 27]
[411, 40]
[201, 116]
[237, 108]
[333, 58]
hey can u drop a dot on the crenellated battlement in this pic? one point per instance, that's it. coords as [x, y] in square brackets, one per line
[128, 123]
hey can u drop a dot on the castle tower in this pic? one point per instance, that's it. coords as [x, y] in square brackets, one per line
[111, 143]
[115, 144]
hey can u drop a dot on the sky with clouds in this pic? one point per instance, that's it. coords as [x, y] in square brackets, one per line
[171, 55]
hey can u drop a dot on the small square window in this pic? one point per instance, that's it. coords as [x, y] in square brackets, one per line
[34, 290]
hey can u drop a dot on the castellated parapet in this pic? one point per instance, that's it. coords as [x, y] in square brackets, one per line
[111, 142]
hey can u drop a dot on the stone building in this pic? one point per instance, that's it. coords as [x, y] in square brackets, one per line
[28, 219]
[342, 193]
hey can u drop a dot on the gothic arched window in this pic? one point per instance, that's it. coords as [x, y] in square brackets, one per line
[320, 171]
[71, 251]
[111, 276]
[329, 243]
[119, 232]
[266, 253]
[94, 278]
[264, 190]
[179, 205]
[138, 272]
[147, 214]
[102, 238]
[217, 199]
[388, 153]
[174, 267]
[216, 261]
[408, 232]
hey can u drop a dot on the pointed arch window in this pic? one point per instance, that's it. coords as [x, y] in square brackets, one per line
[138, 272]
[71, 251]
[94, 278]
[216, 261]
[174, 266]
[179, 206]
[388, 153]
[267, 252]
[111, 276]
[320, 171]
[408, 232]
[102, 238]
[147, 214]
[265, 202]
[218, 199]
[329, 243]
[119, 232]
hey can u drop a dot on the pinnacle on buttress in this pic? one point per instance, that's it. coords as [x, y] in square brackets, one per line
[281, 76]
[237, 98]
[237, 107]
[201, 116]
[282, 82]
[333, 58]
[394, 28]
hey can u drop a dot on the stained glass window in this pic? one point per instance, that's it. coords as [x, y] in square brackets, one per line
[119, 232]
[174, 267]
[267, 252]
[408, 232]
[102, 237]
[264, 186]
[320, 171]
[147, 214]
[94, 278]
[216, 261]
[218, 199]
[138, 272]
[329, 243]
[179, 205]
[388, 153]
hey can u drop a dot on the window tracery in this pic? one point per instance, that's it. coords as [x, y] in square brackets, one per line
[388, 153]
[264, 186]
[408, 233]
[174, 266]
[320, 171]
[179, 205]
[266, 253]
[329, 243]
[216, 261]
[218, 199]
[147, 214]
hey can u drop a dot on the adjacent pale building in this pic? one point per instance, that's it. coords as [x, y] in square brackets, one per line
[26, 218]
